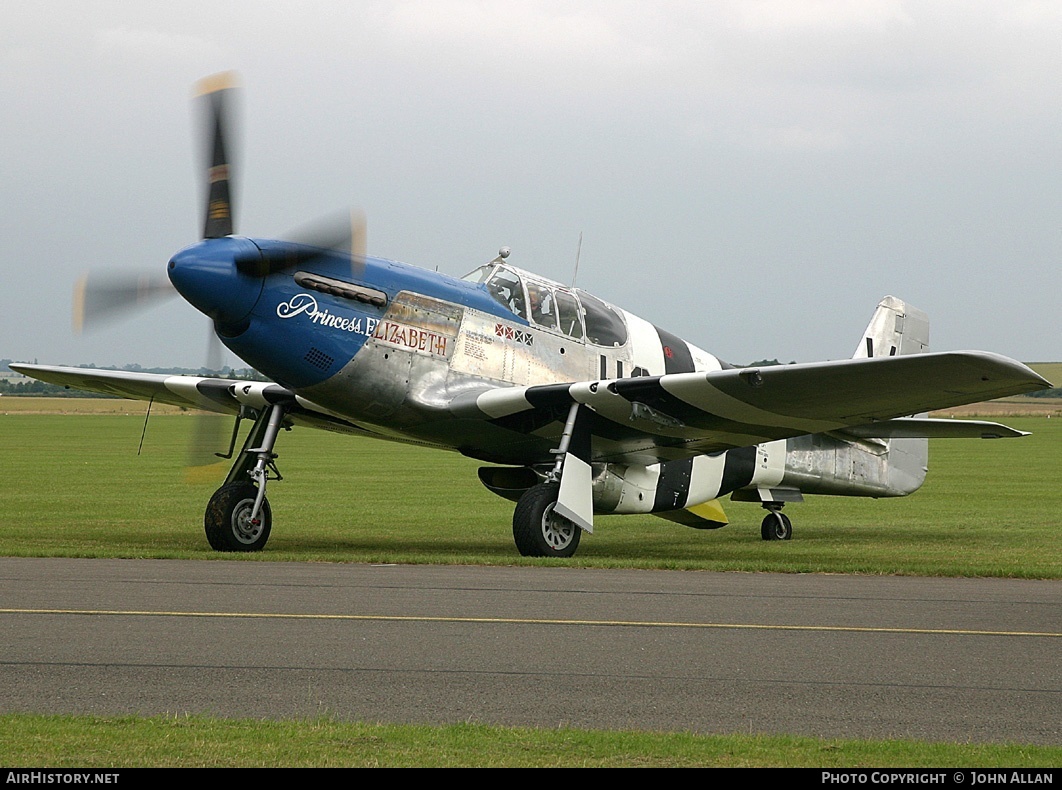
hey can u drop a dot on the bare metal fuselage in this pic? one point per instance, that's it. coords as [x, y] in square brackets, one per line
[426, 354]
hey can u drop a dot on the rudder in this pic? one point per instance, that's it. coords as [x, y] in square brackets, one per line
[896, 328]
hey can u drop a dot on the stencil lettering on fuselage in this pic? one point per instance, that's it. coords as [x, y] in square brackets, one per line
[522, 355]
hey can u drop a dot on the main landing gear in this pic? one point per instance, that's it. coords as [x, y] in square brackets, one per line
[238, 516]
[232, 522]
[538, 530]
[776, 524]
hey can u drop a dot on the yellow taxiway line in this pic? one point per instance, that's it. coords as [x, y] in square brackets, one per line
[532, 621]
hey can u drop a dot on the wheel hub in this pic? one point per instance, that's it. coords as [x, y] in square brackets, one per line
[557, 531]
[245, 528]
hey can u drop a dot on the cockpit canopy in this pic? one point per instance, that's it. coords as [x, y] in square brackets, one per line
[552, 306]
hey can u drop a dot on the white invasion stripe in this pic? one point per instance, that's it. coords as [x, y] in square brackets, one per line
[503, 401]
[696, 390]
[705, 479]
[598, 397]
[645, 345]
[702, 360]
[252, 393]
[638, 491]
[185, 387]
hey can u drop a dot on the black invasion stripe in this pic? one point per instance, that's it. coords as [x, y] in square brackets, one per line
[673, 487]
[550, 404]
[629, 436]
[649, 392]
[549, 396]
[217, 390]
[277, 394]
[677, 356]
[530, 420]
[524, 424]
[581, 435]
[738, 468]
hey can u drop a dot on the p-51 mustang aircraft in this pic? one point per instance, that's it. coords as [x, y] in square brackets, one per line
[579, 407]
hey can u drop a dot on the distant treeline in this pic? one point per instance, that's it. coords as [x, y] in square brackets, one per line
[1054, 392]
[38, 389]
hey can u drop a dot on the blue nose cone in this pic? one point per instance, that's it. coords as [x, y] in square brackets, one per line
[206, 274]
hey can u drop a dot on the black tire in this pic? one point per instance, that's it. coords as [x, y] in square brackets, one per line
[776, 526]
[537, 530]
[227, 519]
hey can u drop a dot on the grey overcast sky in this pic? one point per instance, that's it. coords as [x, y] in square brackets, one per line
[753, 176]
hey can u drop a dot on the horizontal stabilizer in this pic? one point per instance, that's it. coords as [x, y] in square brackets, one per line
[930, 428]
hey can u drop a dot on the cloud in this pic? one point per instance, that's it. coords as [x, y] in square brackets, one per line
[149, 44]
[592, 39]
[800, 17]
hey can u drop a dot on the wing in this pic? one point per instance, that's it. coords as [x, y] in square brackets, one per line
[224, 396]
[210, 394]
[657, 418]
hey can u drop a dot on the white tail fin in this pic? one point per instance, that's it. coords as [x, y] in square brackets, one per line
[896, 328]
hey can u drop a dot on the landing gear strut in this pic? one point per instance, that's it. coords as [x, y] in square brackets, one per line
[775, 525]
[238, 516]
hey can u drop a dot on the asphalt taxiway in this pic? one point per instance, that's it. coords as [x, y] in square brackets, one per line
[959, 660]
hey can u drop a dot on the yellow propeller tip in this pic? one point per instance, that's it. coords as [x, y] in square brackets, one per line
[217, 82]
[78, 316]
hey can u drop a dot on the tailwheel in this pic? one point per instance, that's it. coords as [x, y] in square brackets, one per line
[776, 526]
[230, 521]
[538, 530]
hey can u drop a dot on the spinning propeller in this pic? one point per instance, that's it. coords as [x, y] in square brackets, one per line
[101, 298]
[217, 92]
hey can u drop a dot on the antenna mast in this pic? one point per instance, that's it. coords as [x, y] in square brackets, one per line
[578, 251]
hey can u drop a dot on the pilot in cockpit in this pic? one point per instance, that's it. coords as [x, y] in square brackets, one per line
[506, 288]
[541, 302]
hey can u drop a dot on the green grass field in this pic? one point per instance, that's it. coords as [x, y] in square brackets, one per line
[74, 486]
[190, 742]
[1052, 371]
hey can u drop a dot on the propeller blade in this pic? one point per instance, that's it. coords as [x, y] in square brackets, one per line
[345, 235]
[217, 95]
[359, 236]
[101, 298]
[210, 431]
